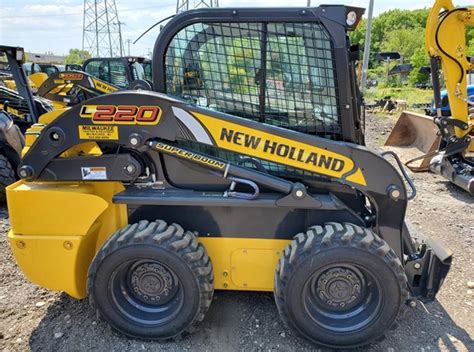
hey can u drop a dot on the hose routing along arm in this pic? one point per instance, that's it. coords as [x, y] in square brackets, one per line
[446, 43]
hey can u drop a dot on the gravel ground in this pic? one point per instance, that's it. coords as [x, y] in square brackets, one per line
[36, 319]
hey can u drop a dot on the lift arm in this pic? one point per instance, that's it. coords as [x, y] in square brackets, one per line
[446, 43]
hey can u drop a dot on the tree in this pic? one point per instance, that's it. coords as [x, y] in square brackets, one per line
[405, 40]
[418, 60]
[77, 56]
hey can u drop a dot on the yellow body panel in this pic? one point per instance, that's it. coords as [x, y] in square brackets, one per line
[38, 78]
[244, 264]
[55, 241]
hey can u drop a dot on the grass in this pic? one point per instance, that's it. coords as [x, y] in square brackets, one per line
[410, 95]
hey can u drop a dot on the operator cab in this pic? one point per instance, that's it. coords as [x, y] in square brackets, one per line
[120, 72]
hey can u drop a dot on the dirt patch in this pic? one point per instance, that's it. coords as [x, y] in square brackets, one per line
[36, 319]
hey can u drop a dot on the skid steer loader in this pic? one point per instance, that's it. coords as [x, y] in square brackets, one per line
[69, 88]
[148, 201]
[18, 111]
[446, 141]
[98, 76]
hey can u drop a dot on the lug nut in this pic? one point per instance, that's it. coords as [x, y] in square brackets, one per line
[130, 169]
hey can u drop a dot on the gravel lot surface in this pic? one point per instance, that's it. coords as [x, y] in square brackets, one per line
[36, 319]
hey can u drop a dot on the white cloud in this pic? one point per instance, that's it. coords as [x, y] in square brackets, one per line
[56, 25]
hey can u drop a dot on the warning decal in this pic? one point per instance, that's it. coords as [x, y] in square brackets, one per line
[98, 132]
[94, 173]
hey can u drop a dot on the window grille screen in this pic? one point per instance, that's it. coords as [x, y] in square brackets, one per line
[278, 73]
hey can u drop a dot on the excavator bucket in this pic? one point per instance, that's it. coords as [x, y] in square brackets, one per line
[415, 135]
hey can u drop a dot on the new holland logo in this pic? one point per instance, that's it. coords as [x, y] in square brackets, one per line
[283, 150]
[291, 152]
[121, 114]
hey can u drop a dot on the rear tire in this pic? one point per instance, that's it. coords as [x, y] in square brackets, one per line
[339, 285]
[7, 177]
[151, 281]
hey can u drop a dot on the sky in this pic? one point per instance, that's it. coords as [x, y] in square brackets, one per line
[56, 25]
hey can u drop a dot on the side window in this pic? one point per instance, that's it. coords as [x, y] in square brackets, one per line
[118, 74]
[49, 69]
[300, 79]
[147, 67]
[277, 73]
[93, 68]
[217, 66]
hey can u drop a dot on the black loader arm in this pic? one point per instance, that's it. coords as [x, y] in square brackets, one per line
[149, 116]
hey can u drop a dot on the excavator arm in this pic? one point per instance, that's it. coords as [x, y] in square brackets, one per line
[446, 45]
[444, 20]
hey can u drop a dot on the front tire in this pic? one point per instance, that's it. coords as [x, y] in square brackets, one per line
[339, 285]
[7, 177]
[151, 281]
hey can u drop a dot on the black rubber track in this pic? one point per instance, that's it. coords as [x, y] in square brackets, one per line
[319, 240]
[7, 176]
[174, 239]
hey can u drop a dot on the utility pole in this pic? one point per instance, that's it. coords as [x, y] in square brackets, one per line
[128, 43]
[365, 64]
[119, 23]
[185, 5]
[102, 34]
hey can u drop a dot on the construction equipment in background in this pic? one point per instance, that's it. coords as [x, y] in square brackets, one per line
[97, 76]
[452, 154]
[416, 132]
[18, 111]
[69, 88]
[122, 72]
[283, 198]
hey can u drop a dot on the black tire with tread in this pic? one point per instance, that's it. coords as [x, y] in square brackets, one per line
[326, 239]
[7, 176]
[172, 239]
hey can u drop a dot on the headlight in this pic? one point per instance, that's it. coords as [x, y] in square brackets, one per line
[351, 18]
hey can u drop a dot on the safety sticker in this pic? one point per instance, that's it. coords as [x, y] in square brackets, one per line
[98, 132]
[94, 173]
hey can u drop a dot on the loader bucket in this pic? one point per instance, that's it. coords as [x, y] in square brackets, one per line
[414, 135]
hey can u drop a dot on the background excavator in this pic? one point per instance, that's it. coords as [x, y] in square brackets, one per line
[446, 141]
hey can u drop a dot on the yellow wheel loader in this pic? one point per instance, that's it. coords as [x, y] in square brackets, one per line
[245, 170]
[447, 140]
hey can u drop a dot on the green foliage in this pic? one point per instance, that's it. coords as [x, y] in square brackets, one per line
[402, 31]
[410, 95]
[470, 41]
[419, 59]
[77, 56]
[404, 40]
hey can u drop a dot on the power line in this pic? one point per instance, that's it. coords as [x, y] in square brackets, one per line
[102, 35]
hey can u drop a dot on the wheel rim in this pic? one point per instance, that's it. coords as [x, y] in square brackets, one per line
[343, 298]
[146, 292]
